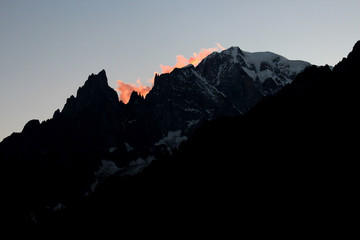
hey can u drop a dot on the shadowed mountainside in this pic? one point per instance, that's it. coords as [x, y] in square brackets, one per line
[289, 160]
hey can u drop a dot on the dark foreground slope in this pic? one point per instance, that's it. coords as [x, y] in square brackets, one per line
[290, 162]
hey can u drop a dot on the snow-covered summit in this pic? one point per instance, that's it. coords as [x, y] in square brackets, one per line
[267, 65]
[259, 65]
[246, 77]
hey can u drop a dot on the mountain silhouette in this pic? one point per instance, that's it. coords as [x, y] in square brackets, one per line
[97, 143]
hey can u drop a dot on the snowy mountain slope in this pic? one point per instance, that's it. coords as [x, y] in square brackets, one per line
[247, 77]
[270, 65]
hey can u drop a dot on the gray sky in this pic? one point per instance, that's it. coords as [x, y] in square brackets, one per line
[49, 47]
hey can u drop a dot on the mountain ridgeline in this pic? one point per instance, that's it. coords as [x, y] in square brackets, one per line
[289, 162]
[250, 126]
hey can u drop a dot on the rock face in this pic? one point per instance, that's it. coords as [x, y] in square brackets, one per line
[192, 100]
[64, 158]
[95, 94]
[96, 108]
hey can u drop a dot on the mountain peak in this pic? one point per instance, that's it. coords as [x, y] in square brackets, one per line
[351, 63]
[135, 98]
[234, 50]
[31, 126]
[97, 80]
[354, 55]
[95, 93]
[357, 46]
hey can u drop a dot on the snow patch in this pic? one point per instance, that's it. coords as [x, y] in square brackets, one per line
[109, 168]
[254, 60]
[137, 166]
[192, 123]
[250, 73]
[192, 110]
[199, 75]
[92, 187]
[265, 74]
[128, 147]
[234, 54]
[218, 75]
[106, 169]
[60, 206]
[172, 140]
[112, 149]
[257, 58]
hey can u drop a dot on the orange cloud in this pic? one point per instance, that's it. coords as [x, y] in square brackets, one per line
[198, 57]
[219, 46]
[194, 60]
[126, 89]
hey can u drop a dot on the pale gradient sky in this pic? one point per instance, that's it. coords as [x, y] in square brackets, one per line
[49, 47]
